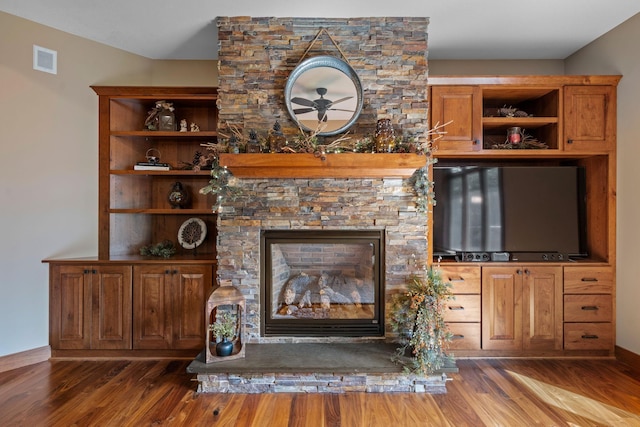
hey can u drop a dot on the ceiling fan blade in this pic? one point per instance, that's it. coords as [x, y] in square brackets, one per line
[341, 100]
[302, 101]
[340, 109]
[303, 110]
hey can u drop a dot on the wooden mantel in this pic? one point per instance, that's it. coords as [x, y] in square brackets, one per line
[338, 165]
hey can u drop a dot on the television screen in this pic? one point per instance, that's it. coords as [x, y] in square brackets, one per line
[509, 209]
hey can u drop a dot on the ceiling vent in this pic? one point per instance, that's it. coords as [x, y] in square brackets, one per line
[45, 59]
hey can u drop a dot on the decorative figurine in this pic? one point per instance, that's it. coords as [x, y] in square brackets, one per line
[277, 140]
[253, 145]
[183, 125]
[195, 127]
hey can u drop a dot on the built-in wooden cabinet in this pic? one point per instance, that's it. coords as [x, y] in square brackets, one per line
[458, 107]
[538, 308]
[463, 311]
[127, 307]
[588, 308]
[168, 306]
[90, 307]
[522, 308]
[589, 118]
[122, 303]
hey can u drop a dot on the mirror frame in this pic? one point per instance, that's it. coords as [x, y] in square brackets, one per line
[327, 62]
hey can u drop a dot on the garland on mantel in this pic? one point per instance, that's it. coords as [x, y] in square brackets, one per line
[220, 186]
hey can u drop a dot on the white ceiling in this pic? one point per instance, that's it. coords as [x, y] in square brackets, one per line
[458, 29]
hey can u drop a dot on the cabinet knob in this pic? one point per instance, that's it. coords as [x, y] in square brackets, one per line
[589, 337]
[569, 141]
[456, 307]
[457, 336]
[167, 272]
[589, 307]
[589, 279]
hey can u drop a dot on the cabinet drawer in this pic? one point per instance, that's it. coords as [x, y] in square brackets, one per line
[588, 280]
[466, 336]
[588, 308]
[588, 336]
[464, 308]
[464, 280]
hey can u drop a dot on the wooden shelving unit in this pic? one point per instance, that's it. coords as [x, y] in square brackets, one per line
[123, 304]
[575, 116]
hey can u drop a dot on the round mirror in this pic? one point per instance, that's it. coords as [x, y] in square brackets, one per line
[324, 94]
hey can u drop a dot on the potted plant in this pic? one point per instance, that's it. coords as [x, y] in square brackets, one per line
[418, 320]
[224, 330]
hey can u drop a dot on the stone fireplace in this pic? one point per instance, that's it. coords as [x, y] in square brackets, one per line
[255, 57]
[375, 207]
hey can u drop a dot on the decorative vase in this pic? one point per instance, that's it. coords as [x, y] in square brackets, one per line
[178, 196]
[224, 347]
[385, 137]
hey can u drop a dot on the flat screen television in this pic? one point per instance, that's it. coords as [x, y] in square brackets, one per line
[504, 213]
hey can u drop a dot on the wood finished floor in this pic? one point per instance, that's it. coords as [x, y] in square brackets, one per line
[483, 393]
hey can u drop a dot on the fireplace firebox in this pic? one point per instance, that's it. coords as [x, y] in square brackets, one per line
[322, 283]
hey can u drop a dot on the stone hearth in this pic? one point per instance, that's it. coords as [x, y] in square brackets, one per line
[314, 368]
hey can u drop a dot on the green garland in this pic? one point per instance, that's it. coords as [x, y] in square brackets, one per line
[164, 249]
[418, 320]
[219, 185]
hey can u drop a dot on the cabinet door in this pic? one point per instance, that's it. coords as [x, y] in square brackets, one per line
[191, 285]
[502, 308]
[70, 307]
[542, 308]
[152, 306]
[462, 106]
[111, 307]
[589, 118]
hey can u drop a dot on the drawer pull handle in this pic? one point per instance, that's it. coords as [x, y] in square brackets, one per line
[457, 336]
[589, 279]
[589, 337]
[456, 307]
[456, 279]
[589, 307]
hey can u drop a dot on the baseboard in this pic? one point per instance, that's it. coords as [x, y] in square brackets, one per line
[628, 357]
[24, 358]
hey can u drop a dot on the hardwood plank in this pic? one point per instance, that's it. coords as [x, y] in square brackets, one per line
[485, 392]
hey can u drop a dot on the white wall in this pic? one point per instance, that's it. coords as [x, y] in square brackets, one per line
[617, 53]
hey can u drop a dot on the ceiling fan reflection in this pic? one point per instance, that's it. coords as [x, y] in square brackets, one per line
[321, 105]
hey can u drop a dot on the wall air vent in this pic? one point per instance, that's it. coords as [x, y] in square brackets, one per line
[45, 59]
